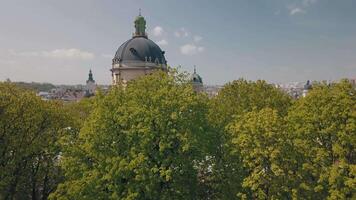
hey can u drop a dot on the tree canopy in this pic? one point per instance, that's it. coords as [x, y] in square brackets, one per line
[141, 142]
[323, 130]
[29, 150]
[157, 138]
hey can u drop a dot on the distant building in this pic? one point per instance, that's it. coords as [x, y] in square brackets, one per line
[352, 81]
[212, 90]
[306, 88]
[293, 89]
[137, 56]
[197, 81]
[90, 86]
[44, 95]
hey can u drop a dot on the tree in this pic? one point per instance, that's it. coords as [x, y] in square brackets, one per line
[29, 130]
[80, 111]
[323, 129]
[261, 140]
[234, 100]
[240, 96]
[141, 142]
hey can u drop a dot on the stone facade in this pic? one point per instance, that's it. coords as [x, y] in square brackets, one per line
[122, 73]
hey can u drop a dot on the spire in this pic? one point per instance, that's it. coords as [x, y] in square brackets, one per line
[139, 12]
[90, 78]
[140, 26]
[195, 69]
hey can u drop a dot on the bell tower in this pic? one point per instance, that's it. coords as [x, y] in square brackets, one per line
[90, 86]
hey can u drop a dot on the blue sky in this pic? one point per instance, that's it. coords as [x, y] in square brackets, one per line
[276, 40]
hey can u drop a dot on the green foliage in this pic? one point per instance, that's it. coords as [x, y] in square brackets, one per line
[29, 129]
[233, 102]
[307, 154]
[80, 111]
[158, 139]
[323, 127]
[260, 139]
[141, 142]
[240, 96]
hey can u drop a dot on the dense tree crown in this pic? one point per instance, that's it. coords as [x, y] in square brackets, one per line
[142, 142]
[158, 139]
[29, 152]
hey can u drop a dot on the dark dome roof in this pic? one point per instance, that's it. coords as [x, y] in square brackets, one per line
[195, 78]
[140, 49]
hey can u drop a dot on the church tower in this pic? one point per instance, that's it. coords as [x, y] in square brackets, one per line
[90, 86]
[307, 87]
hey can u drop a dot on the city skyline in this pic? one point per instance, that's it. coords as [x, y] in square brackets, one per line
[278, 41]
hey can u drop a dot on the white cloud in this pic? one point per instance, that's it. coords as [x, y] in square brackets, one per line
[197, 38]
[296, 10]
[177, 34]
[185, 33]
[300, 7]
[191, 49]
[201, 49]
[162, 42]
[58, 53]
[158, 31]
[182, 32]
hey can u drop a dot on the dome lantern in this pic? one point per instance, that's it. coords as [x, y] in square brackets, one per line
[140, 26]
